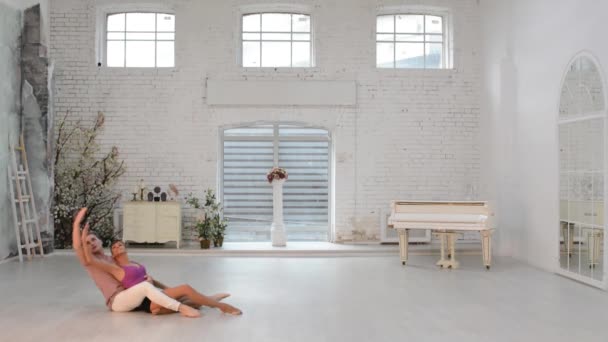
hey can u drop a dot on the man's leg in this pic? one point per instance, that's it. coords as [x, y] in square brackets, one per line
[156, 309]
[197, 298]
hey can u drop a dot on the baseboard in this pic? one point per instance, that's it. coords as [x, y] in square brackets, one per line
[9, 259]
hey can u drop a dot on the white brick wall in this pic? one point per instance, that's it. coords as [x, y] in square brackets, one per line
[413, 134]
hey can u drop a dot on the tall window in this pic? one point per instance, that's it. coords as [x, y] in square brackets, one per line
[416, 41]
[582, 171]
[140, 40]
[248, 154]
[276, 40]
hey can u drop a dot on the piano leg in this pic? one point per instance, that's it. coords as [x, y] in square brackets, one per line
[448, 240]
[452, 241]
[486, 247]
[568, 234]
[442, 259]
[594, 238]
[403, 244]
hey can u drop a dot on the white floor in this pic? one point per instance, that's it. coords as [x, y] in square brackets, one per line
[368, 298]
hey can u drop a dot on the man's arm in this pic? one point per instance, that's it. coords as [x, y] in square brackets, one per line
[90, 259]
[159, 284]
[156, 283]
[76, 236]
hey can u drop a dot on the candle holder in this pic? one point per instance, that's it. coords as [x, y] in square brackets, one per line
[142, 188]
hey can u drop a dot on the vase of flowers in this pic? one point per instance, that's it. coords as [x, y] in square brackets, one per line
[276, 173]
[277, 177]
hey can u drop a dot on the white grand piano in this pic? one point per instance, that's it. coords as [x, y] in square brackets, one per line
[445, 219]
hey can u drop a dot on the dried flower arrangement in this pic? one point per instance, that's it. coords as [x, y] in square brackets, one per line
[276, 173]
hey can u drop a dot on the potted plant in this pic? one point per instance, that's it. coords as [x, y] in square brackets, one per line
[213, 211]
[219, 232]
[205, 232]
[193, 201]
[209, 224]
[202, 223]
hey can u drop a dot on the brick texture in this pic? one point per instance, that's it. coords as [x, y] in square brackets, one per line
[412, 135]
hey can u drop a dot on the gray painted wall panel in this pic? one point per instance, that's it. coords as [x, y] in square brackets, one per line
[280, 92]
[10, 83]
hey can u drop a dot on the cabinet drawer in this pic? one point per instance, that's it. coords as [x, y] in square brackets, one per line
[170, 210]
[167, 236]
[167, 227]
[151, 222]
[139, 223]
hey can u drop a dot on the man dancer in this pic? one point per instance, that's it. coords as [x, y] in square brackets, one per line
[107, 284]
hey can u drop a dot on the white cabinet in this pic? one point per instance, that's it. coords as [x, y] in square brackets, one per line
[152, 222]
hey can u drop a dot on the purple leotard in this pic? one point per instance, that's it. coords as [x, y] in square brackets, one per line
[133, 275]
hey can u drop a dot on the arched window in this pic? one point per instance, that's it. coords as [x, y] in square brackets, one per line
[249, 153]
[582, 154]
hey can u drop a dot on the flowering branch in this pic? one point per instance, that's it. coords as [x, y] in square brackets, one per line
[84, 177]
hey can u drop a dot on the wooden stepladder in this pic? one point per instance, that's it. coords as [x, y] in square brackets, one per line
[22, 202]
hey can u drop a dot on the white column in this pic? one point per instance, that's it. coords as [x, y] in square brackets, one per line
[277, 230]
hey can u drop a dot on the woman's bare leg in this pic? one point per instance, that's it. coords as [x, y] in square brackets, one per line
[199, 299]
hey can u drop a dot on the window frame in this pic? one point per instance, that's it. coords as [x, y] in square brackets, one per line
[566, 120]
[276, 138]
[447, 28]
[292, 10]
[102, 14]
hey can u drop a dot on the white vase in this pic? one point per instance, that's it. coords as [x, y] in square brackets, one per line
[277, 230]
